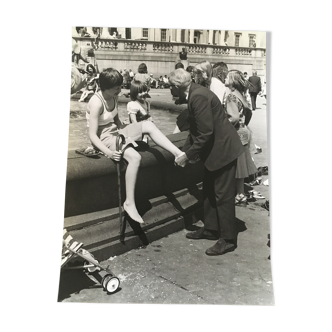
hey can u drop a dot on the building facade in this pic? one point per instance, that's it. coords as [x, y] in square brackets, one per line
[126, 48]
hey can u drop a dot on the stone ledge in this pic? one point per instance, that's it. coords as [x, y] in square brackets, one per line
[91, 184]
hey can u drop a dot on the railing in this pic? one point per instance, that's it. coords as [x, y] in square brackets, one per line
[221, 50]
[243, 51]
[126, 45]
[162, 47]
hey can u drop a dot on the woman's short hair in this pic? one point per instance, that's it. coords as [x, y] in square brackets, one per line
[110, 78]
[142, 68]
[180, 78]
[137, 87]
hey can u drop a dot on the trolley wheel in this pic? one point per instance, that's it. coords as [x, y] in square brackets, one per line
[105, 278]
[111, 284]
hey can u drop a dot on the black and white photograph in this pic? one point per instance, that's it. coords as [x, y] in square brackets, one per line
[167, 186]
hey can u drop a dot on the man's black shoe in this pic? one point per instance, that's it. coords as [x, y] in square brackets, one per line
[202, 234]
[220, 248]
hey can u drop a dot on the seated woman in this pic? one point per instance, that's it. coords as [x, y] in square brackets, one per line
[104, 126]
[91, 85]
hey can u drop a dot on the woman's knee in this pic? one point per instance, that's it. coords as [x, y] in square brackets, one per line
[132, 156]
[148, 127]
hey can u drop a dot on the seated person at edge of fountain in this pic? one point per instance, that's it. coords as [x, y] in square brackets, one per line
[104, 126]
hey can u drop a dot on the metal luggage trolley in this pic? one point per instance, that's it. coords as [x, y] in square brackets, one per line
[71, 249]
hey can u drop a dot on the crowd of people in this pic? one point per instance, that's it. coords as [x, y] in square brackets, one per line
[217, 117]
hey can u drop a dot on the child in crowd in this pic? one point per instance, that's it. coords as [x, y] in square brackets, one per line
[104, 126]
[239, 114]
[139, 108]
[92, 82]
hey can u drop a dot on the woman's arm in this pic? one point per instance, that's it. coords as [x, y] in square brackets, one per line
[132, 112]
[232, 109]
[117, 121]
[95, 107]
[132, 118]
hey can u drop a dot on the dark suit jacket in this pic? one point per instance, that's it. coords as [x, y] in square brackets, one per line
[212, 137]
[256, 84]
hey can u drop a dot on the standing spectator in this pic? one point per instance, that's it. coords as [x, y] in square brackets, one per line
[246, 93]
[254, 88]
[214, 141]
[204, 77]
[143, 76]
[219, 73]
[131, 74]
[91, 82]
[239, 115]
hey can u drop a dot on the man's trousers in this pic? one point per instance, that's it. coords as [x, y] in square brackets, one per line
[253, 97]
[219, 189]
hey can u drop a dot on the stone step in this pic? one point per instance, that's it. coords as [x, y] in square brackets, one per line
[99, 231]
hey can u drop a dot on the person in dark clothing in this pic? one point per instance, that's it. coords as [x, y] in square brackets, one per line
[214, 141]
[254, 88]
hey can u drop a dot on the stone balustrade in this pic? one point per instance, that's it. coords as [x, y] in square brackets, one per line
[146, 46]
[221, 50]
[163, 47]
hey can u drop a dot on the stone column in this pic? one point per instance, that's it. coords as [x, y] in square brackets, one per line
[192, 32]
[211, 32]
[136, 33]
[204, 39]
[178, 35]
[186, 36]
[104, 33]
[173, 35]
[157, 35]
[151, 34]
[168, 35]
[122, 32]
[74, 32]
[221, 37]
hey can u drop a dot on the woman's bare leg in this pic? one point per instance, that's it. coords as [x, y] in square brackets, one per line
[134, 159]
[159, 138]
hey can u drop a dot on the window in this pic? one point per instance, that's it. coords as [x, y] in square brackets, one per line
[252, 42]
[145, 33]
[197, 37]
[237, 39]
[163, 35]
[183, 35]
[128, 33]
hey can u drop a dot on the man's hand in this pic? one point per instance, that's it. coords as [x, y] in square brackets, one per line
[181, 160]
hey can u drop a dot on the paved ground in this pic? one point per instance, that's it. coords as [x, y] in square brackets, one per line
[176, 270]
